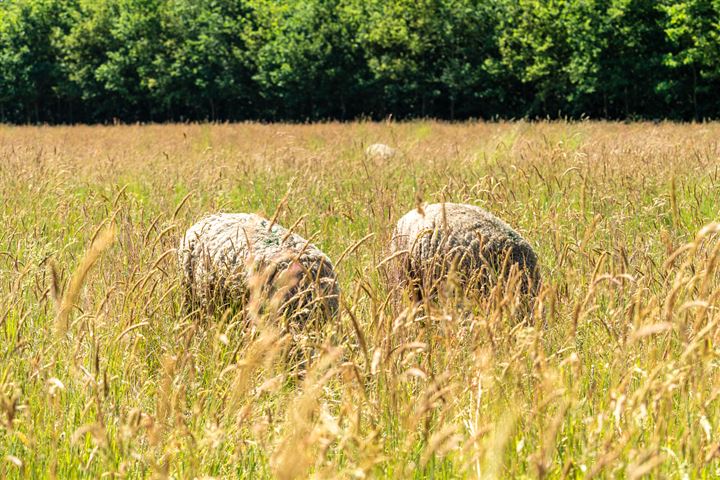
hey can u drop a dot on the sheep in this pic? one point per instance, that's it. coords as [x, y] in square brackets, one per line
[432, 241]
[380, 151]
[220, 254]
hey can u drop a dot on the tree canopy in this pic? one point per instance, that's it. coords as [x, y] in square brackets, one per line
[65, 61]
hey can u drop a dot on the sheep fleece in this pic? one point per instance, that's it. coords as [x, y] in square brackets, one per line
[380, 151]
[464, 233]
[214, 256]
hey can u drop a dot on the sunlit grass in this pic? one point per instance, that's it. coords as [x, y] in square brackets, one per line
[623, 380]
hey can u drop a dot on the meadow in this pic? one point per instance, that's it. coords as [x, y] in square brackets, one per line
[103, 374]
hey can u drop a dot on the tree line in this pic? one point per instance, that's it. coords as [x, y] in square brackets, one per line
[68, 61]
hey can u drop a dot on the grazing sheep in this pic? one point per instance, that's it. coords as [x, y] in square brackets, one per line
[449, 237]
[380, 151]
[220, 253]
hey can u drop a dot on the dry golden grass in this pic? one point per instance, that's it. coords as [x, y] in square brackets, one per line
[102, 372]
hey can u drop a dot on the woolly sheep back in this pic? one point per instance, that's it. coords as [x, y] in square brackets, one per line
[219, 253]
[478, 241]
[380, 151]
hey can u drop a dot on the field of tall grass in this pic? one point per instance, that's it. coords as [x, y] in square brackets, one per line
[104, 374]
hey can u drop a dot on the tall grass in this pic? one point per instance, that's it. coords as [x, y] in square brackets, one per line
[103, 372]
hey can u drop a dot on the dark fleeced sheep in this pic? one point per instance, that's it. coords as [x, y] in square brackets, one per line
[219, 254]
[478, 247]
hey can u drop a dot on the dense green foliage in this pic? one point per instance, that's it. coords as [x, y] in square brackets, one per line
[157, 60]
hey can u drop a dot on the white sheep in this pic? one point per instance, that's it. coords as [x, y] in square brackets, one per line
[219, 254]
[380, 151]
[478, 247]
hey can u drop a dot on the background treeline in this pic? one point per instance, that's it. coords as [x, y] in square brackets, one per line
[160, 60]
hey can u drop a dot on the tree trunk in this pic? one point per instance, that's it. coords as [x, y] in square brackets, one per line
[694, 93]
